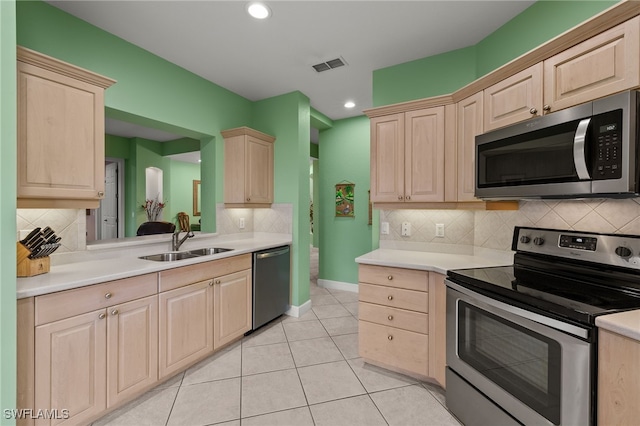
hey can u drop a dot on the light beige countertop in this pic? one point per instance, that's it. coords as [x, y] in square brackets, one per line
[623, 323]
[116, 261]
[439, 258]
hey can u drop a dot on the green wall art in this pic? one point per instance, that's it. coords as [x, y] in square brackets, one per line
[344, 199]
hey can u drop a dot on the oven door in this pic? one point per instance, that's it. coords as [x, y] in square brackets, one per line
[528, 364]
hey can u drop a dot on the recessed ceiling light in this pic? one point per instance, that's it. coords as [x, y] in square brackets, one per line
[349, 104]
[258, 10]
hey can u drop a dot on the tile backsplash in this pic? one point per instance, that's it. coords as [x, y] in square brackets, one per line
[277, 219]
[69, 224]
[494, 229]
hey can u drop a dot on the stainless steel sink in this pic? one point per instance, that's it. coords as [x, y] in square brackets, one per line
[170, 256]
[208, 251]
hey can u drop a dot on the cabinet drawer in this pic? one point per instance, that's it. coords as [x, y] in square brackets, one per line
[179, 277]
[68, 303]
[394, 317]
[394, 297]
[398, 348]
[411, 279]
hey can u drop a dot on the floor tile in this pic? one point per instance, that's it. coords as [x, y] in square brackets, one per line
[376, 379]
[307, 316]
[271, 333]
[304, 330]
[266, 358]
[295, 417]
[324, 299]
[315, 290]
[340, 325]
[352, 308]
[330, 311]
[315, 351]
[152, 408]
[175, 381]
[411, 405]
[355, 411]
[221, 365]
[207, 403]
[348, 345]
[346, 296]
[270, 392]
[326, 382]
[437, 392]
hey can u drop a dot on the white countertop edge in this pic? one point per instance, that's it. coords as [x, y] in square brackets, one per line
[88, 270]
[626, 324]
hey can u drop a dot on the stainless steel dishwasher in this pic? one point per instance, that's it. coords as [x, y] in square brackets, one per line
[271, 283]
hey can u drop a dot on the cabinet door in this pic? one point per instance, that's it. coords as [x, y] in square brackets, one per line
[600, 66]
[186, 326]
[132, 348]
[618, 379]
[232, 307]
[437, 327]
[514, 99]
[469, 126]
[387, 158]
[71, 367]
[424, 155]
[258, 171]
[60, 136]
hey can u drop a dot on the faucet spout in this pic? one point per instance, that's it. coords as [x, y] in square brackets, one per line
[176, 242]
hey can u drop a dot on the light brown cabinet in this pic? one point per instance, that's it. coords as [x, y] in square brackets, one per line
[248, 168]
[407, 156]
[60, 133]
[402, 320]
[232, 295]
[618, 379]
[470, 124]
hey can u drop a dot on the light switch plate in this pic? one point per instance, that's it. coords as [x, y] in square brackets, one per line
[241, 223]
[406, 229]
[384, 228]
[440, 230]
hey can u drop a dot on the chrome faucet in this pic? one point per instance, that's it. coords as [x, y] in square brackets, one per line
[176, 242]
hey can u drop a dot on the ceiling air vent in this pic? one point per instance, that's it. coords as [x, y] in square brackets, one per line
[328, 65]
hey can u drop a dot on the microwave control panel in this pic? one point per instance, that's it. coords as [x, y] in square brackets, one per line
[607, 137]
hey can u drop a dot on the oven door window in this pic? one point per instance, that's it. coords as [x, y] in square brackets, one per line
[522, 362]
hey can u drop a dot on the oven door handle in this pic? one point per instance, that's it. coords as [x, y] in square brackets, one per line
[579, 146]
[532, 316]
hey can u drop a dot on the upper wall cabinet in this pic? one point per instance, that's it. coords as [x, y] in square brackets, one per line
[407, 156]
[470, 111]
[60, 133]
[248, 168]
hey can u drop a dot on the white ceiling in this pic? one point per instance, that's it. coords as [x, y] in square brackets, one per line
[259, 59]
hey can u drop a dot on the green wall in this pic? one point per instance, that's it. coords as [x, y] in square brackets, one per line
[180, 195]
[447, 72]
[345, 157]
[8, 177]
[287, 117]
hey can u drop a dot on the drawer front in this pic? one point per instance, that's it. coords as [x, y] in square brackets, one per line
[411, 279]
[398, 348]
[68, 303]
[394, 317]
[394, 297]
[179, 277]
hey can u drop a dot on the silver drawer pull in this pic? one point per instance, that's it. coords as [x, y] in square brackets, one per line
[108, 296]
[390, 297]
[390, 277]
[115, 312]
[390, 317]
[102, 316]
[390, 337]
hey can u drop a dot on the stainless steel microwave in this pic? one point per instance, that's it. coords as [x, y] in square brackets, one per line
[590, 150]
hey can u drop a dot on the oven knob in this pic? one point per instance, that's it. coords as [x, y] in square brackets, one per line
[538, 241]
[623, 251]
[525, 239]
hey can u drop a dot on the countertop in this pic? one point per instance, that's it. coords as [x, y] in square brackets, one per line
[120, 260]
[437, 261]
[624, 323]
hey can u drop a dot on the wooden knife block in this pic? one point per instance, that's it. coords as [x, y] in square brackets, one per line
[30, 267]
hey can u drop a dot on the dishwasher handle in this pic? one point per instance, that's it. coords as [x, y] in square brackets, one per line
[273, 253]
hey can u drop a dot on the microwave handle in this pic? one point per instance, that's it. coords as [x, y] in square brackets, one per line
[579, 145]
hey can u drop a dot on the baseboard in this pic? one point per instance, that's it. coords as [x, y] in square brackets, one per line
[338, 285]
[298, 311]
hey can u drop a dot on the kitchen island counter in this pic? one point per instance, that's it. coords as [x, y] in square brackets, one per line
[118, 261]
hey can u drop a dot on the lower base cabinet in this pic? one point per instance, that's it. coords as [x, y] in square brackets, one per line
[232, 307]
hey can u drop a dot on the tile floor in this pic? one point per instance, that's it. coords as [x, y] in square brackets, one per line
[294, 371]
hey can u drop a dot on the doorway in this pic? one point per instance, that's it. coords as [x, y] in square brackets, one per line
[108, 217]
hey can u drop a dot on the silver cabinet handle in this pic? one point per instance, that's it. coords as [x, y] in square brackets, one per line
[533, 111]
[102, 316]
[115, 312]
[546, 108]
[390, 337]
[390, 317]
[107, 296]
[390, 297]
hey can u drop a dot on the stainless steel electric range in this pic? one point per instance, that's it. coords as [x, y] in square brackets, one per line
[521, 339]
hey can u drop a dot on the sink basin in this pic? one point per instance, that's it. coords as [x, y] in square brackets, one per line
[207, 251]
[170, 257]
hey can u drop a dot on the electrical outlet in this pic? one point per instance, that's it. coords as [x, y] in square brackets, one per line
[440, 230]
[384, 228]
[406, 229]
[241, 223]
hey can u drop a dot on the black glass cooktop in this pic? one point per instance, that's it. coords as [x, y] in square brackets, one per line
[570, 291]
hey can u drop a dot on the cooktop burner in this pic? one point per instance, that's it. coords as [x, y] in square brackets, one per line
[577, 276]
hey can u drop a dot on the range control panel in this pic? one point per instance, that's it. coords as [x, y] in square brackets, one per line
[608, 249]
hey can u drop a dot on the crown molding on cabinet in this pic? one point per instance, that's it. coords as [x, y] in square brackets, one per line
[242, 131]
